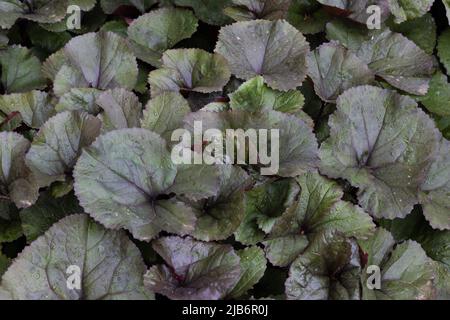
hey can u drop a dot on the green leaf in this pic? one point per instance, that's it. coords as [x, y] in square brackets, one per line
[113, 65]
[308, 16]
[16, 180]
[255, 96]
[265, 202]
[399, 61]
[406, 271]
[119, 27]
[381, 143]
[437, 246]
[209, 11]
[38, 218]
[329, 269]
[109, 6]
[111, 266]
[121, 109]
[59, 143]
[165, 113]
[435, 190]
[319, 208]
[153, 33]
[11, 228]
[49, 41]
[273, 49]
[297, 144]
[253, 265]
[347, 33]
[35, 107]
[190, 70]
[335, 69]
[123, 180]
[21, 70]
[4, 262]
[437, 100]
[83, 99]
[444, 49]
[420, 30]
[244, 10]
[45, 11]
[193, 269]
[409, 9]
[220, 215]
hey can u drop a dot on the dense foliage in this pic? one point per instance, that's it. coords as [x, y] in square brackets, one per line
[86, 177]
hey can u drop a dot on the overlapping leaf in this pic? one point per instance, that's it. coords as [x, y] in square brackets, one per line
[190, 70]
[272, 49]
[110, 264]
[381, 143]
[155, 32]
[243, 10]
[193, 269]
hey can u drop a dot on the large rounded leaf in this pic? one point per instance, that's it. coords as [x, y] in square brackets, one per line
[273, 49]
[119, 178]
[193, 270]
[153, 33]
[16, 180]
[110, 264]
[57, 146]
[381, 143]
[190, 70]
[111, 64]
